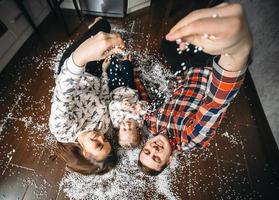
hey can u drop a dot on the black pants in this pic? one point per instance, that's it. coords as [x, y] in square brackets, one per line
[191, 59]
[120, 73]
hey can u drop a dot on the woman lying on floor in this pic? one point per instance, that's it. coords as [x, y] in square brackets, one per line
[84, 88]
[79, 115]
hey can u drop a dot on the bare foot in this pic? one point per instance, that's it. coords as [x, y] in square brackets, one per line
[95, 21]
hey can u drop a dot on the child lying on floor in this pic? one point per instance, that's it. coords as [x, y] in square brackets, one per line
[126, 110]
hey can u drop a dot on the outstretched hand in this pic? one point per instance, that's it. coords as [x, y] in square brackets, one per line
[221, 30]
[98, 47]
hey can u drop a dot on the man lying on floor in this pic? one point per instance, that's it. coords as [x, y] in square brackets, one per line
[190, 118]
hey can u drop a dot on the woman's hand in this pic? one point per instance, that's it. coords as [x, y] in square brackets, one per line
[98, 47]
[221, 30]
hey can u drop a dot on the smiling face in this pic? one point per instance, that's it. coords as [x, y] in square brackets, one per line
[156, 153]
[129, 133]
[94, 145]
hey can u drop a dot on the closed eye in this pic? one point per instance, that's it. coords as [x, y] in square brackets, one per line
[99, 145]
[146, 151]
[94, 137]
[157, 159]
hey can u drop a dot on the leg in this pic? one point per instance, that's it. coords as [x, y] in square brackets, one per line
[190, 59]
[101, 25]
[127, 73]
[114, 74]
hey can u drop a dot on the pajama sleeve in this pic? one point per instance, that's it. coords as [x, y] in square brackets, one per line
[63, 121]
[104, 95]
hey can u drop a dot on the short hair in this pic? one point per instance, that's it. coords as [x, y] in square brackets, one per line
[72, 154]
[148, 171]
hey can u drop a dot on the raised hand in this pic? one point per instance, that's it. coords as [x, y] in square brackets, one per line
[221, 30]
[98, 47]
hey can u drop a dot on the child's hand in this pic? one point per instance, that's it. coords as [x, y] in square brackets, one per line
[126, 105]
[105, 64]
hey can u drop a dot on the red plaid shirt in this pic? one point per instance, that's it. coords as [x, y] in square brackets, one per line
[196, 107]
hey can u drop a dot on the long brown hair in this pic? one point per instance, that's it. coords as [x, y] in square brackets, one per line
[71, 153]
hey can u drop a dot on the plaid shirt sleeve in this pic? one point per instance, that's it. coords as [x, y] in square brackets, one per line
[222, 88]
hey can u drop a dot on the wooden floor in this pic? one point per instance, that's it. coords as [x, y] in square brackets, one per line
[241, 162]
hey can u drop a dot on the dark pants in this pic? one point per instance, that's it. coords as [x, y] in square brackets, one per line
[191, 59]
[120, 73]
